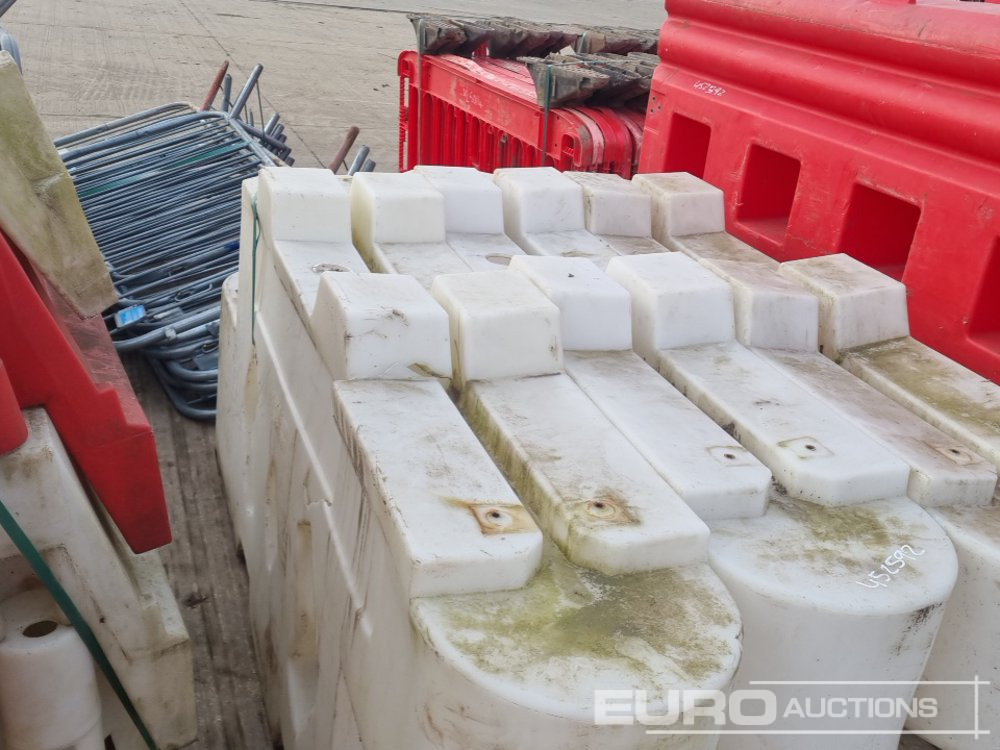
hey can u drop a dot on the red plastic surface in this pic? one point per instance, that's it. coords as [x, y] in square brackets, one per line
[483, 113]
[869, 127]
[69, 365]
[13, 429]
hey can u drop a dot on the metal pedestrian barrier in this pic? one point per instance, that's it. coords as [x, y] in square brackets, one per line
[161, 190]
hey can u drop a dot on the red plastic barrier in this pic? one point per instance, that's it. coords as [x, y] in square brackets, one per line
[68, 365]
[869, 127]
[483, 113]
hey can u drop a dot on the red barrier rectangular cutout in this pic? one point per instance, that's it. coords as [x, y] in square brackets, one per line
[879, 230]
[984, 326]
[687, 149]
[768, 191]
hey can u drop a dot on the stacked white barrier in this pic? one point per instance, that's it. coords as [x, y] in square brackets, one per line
[598, 500]
[940, 418]
[367, 597]
[473, 216]
[796, 532]
[414, 241]
[864, 325]
[543, 212]
[48, 694]
[400, 593]
[714, 475]
[618, 212]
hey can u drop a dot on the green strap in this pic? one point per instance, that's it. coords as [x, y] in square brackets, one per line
[253, 271]
[548, 101]
[548, 108]
[44, 572]
[195, 159]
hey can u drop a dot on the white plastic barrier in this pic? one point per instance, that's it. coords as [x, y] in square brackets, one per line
[600, 502]
[544, 214]
[689, 215]
[473, 216]
[943, 471]
[48, 685]
[369, 595]
[942, 420]
[772, 311]
[305, 217]
[713, 474]
[46, 697]
[378, 535]
[835, 594]
[399, 226]
[863, 323]
[618, 212]
[857, 304]
[813, 452]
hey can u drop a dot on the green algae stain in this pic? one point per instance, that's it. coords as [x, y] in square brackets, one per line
[927, 378]
[832, 537]
[568, 613]
[524, 466]
[840, 525]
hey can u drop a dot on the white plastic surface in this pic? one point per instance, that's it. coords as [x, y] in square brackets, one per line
[771, 311]
[502, 326]
[416, 454]
[473, 207]
[594, 311]
[675, 302]
[591, 492]
[48, 686]
[818, 605]
[942, 470]
[124, 598]
[814, 452]
[682, 204]
[966, 645]
[303, 205]
[719, 246]
[380, 326]
[543, 213]
[618, 212]
[484, 252]
[473, 204]
[716, 476]
[303, 215]
[952, 398]
[395, 208]
[857, 304]
[398, 222]
[614, 206]
[569, 633]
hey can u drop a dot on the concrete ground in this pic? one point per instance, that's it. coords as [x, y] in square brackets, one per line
[327, 65]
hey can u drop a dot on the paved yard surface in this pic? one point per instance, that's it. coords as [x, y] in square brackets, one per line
[328, 65]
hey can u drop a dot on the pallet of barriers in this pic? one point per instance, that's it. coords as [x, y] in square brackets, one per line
[537, 459]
